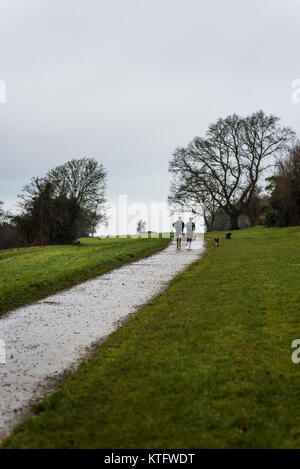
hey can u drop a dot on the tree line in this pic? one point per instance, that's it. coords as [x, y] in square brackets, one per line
[284, 191]
[67, 203]
[223, 172]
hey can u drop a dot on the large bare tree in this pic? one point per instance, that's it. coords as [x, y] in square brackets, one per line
[222, 170]
[83, 180]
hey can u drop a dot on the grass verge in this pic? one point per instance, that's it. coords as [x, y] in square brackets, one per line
[207, 364]
[29, 274]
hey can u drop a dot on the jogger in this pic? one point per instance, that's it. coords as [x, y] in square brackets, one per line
[179, 226]
[190, 228]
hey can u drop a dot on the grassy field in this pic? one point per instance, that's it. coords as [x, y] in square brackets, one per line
[207, 364]
[30, 274]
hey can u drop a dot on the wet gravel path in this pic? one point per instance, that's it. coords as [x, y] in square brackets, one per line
[46, 339]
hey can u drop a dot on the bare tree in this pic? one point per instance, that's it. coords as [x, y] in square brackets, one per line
[5, 216]
[284, 189]
[141, 226]
[82, 180]
[95, 217]
[223, 169]
[8, 234]
[67, 203]
[1, 210]
[188, 196]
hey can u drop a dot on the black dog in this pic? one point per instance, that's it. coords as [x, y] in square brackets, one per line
[217, 242]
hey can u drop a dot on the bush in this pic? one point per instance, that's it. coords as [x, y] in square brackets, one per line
[271, 219]
[48, 221]
[8, 236]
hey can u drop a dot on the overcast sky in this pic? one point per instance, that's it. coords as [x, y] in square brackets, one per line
[127, 81]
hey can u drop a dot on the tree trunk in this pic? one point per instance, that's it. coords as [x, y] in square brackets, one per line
[234, 221]
[209, 223]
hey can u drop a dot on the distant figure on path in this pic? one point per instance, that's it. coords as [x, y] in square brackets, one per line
[179, 227]
[190, 228]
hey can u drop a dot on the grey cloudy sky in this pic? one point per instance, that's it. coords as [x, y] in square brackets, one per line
[126, 81]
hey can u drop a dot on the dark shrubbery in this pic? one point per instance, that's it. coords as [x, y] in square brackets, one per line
[284, 187]
[8, 232]
[64, 205]
[48, 219]
[271, 218]
[8, 236]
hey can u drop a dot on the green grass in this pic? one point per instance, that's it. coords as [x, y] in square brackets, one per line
[29, 274]
[207, 364]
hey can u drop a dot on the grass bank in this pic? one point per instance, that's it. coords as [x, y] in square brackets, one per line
[207, 364]
[29, 274]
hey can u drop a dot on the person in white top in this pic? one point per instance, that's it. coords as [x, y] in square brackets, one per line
[190, 228]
